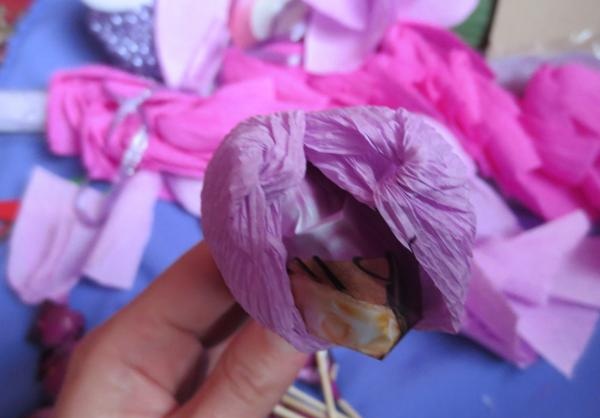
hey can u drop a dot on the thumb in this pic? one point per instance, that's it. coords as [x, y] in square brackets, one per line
[251, 376]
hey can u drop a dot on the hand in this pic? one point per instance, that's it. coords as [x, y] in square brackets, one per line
[147, 361]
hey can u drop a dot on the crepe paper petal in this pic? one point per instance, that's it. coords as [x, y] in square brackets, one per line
[118, 247]
[557, 105]
[41, 264]
[349, 13]
[186, 191]
[22, 111]
[530, 261]
[51, 247]
[494, 217]
[437, 13]
[289, 82]
[343, 155]
[541, 194]
[57, 324]
[8, 210]
[578, 281]
[559, 332]
[491, 321]
[331, 46]
[387, 160]
[191, 54]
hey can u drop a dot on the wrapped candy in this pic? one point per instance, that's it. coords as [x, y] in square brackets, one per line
[346, 226]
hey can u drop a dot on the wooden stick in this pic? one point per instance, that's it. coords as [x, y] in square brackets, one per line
[306, 398]
[335, 369]
[347, 409]
[303, 407]
[323, 365]
[282, 412]
[311, 401]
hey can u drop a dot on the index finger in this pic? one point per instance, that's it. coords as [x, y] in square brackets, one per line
[190, 295]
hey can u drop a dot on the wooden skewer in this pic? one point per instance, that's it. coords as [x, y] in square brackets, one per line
[282, 412]
[303, 407]
[335, 369]
[313, 402]
[323, 365]
[347, 408]
[306, 398]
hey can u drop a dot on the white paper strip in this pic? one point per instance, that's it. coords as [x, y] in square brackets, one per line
[22, 111]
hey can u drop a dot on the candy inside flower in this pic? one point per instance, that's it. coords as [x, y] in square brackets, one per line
[347, 226]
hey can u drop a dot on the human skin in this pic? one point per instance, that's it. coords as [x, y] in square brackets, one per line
[150, 360]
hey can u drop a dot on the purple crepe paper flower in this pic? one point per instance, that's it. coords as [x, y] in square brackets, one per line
[277, 177]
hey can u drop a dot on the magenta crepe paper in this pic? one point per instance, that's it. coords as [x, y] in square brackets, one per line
[51, 248]
[558, 105]
[184, 129]
[387, 160]
[542, 150]
[530, 148]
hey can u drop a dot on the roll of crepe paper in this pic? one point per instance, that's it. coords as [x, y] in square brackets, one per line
[346, 226]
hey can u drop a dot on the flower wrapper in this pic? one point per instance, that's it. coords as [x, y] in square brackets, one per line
[262, 204]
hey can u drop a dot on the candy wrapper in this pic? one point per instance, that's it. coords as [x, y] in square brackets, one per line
[365, 209]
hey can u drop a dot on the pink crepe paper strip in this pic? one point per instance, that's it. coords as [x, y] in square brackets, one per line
[530, 149]
[534, 292]
[387, 160]
[51, 248]
[559, 105]
[184, 129]
[517, 294]
[191, 37]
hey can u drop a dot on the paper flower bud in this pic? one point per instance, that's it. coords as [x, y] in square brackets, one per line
[345, 226]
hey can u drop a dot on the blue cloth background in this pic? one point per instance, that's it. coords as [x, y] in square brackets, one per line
[427, 375]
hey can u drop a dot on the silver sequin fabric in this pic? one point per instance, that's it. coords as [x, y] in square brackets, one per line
[128, 38]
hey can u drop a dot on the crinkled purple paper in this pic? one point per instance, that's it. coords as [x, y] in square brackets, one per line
[390, 161]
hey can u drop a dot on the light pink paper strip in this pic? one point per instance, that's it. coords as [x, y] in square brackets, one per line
[578, 281]
[559, 332]
[51, 248]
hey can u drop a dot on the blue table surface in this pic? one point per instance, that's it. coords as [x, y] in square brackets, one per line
[427, 375]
